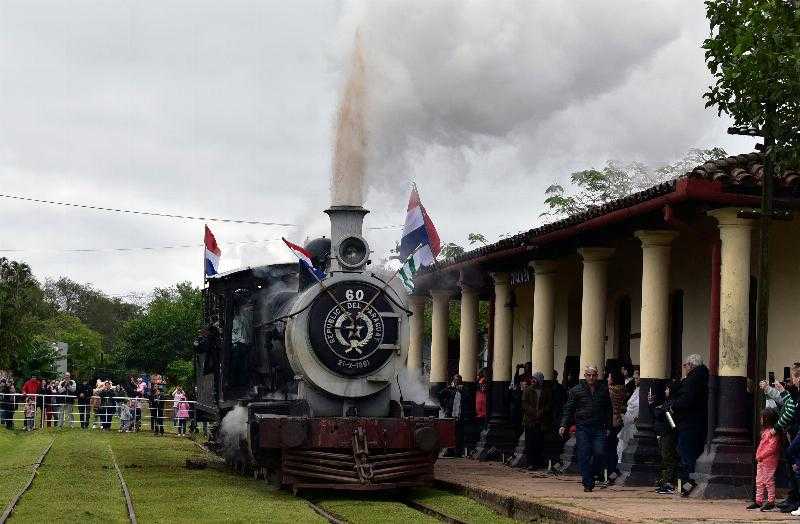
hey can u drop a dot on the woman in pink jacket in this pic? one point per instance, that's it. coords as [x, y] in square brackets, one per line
[181, 407]
[767, 455]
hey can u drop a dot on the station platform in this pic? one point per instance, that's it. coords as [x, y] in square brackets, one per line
[528, 495]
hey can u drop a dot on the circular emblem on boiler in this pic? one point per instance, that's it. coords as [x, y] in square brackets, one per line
[352, 328]
[355, 333]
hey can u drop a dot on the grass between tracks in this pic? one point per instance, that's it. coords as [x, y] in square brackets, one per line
[458, 506]
[163, 490]
[76, 482]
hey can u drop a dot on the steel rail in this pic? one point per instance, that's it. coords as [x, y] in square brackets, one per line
[13, 502]
[125, 491]
[424, 508]
[332, 518]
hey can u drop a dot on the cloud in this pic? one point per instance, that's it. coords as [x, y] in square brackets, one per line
[228, 109]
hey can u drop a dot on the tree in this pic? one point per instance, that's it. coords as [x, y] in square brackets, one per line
[165, 332]
[616, 180]
[36, 357]
[85, 345]
[753, 54]
[98, 311]
[22, 307]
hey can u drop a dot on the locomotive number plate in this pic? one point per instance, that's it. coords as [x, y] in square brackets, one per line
[353, 329]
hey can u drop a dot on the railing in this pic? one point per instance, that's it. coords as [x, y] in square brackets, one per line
[105, 413]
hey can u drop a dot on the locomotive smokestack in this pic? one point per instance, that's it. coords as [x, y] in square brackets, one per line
[349, 250]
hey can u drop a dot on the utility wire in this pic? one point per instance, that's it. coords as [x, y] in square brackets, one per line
[159, 214]
[147, 213]
[123, 249]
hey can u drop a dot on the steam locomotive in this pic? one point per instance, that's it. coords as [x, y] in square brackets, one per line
[312, 362]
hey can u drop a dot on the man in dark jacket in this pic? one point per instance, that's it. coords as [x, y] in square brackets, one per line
[690, 408]
[589, 405]
[84, 397]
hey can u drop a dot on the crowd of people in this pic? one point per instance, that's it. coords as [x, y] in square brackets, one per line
[55, 403]
[602, 413]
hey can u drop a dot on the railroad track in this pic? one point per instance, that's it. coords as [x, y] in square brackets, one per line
[333, 518]
[13, 502]
[124, 486]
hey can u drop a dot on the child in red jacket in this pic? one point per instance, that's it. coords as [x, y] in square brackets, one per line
[767, 455]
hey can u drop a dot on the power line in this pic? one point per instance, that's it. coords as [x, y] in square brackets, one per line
[124, 249]
[147, 213]
[165, 215]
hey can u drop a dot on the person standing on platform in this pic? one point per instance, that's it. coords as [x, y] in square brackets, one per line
[589, 406]
[84, 398]
[616, 390]
[690, 406]
[480, 399]
[537, 417]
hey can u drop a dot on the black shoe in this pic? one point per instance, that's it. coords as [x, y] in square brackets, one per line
[788, 509]
[769, 506]
[687, 488]
[754, 505]
[666, 489]
[587, 489]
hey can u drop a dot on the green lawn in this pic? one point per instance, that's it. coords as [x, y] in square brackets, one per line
[18, 452]
[78, 483]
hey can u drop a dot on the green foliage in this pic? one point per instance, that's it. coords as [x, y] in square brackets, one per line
[36, 357]
[103, 314]
[165, 332]
[474, 238]
[753, 53]
[21, 309]
[180, 372]
[85, 344]
[454, 319]
[593, 187]
[451, 250]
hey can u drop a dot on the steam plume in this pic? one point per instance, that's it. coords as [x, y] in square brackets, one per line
[349, 155]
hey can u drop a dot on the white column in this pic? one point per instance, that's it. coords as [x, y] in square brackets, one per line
[593, 306]
[734, 294]
[654, 354]
[503, 329]
[544, 318]
[417, 329]
[468, 334]
[439, 320]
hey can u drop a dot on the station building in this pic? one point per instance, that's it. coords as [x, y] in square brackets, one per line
[648, 280]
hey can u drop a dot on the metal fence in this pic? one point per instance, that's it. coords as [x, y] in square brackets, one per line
[103, 413]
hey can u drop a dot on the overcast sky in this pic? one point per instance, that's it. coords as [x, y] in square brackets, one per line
[227, 109]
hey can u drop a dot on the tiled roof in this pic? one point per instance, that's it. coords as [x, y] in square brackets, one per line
[743, 170]
[735, 173]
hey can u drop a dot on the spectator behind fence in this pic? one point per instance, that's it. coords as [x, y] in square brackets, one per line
[537, 417]
[30, 412]
[181, 409]
[7, 402]
[767, 455]
[589, 406]
[66, 388]
[84, 394]
[157, 399]
[106, 395]
[690, 406]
